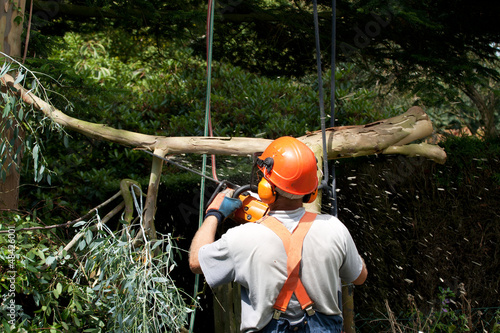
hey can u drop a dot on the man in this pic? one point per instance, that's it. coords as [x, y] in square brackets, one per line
[291, 262]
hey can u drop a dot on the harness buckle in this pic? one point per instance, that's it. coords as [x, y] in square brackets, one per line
[309, 310]
[277, 314]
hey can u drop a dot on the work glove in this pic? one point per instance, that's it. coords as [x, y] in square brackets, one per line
[222, 206]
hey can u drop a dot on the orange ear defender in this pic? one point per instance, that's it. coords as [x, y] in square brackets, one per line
[266, 191]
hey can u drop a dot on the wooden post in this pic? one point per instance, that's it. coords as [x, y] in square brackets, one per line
[227, 308]
[348, 308]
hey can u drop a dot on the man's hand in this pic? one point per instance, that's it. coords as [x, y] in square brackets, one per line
[223, 205]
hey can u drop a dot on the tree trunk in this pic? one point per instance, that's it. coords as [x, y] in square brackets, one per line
[11, 28]
[486, 110]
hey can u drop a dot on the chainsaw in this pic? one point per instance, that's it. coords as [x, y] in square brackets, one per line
[251, 210]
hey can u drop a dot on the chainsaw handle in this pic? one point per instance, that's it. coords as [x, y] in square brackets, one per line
[244, 188]
[222, 186]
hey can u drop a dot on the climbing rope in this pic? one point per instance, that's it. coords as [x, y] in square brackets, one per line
[324, 183]
[207, 131]
[208, 120]
[334, 210]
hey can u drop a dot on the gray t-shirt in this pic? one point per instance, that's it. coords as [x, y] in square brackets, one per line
[253, 256]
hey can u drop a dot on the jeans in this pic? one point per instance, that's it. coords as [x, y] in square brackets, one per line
[317, 323]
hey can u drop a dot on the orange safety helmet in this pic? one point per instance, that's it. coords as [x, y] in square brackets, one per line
[290, 165]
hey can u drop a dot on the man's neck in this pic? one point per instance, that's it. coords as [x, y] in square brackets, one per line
[283, 203]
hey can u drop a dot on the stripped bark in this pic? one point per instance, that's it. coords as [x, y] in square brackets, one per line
[347, 141]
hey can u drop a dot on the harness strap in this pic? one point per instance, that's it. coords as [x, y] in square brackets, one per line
[293, 247]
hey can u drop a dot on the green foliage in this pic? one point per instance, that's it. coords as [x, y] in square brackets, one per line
[467, 155]
[105, 285]
[131, 285]
[359, 103]
[19, 124]
[45, 296]
[453, 314]
[449, 107]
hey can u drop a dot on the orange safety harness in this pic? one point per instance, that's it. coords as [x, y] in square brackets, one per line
[293, 247]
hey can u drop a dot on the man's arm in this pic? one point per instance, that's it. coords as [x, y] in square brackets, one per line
[204, 235]
[221, 207]
[362, 276]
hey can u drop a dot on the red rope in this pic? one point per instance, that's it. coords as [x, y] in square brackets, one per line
[210, 129]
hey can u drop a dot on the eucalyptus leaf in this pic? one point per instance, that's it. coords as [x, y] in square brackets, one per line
[5, 69]
[59, 288]
[81, 244]
[88, 236]
[39, 174]
[34, 153]
[6, 110]
[20, 114]
[19, 78]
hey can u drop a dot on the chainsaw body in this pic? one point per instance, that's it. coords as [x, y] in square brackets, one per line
[251, 210]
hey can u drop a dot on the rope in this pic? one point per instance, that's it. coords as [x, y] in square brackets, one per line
[208, 128]
[334, 209]
[324, 182]
[208, 120]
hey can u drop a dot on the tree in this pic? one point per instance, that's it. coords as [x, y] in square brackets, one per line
[434, 50]
[426, 48]
[12, 27]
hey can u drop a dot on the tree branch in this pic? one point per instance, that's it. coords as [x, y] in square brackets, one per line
[346, 141]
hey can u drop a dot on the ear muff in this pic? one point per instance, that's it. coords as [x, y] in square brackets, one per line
[266, 192]
[310, 197]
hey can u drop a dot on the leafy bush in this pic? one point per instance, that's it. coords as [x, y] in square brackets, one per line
[106, 285]
[44, 295]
